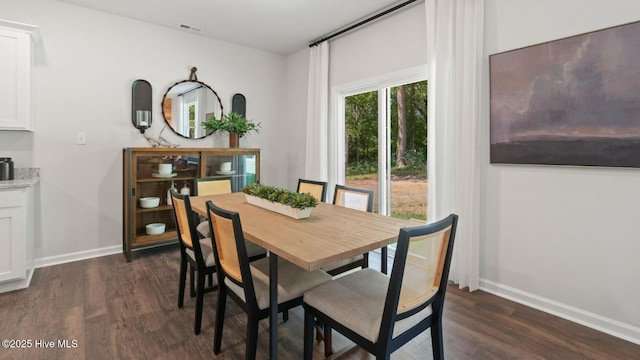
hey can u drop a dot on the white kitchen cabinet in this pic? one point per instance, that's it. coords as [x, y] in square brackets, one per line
[15, 76]
[16, 238]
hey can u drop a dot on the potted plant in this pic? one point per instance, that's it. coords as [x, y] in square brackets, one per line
[235, 124]
[283, 201]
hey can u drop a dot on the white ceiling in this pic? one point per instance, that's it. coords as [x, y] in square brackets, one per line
[279, 26]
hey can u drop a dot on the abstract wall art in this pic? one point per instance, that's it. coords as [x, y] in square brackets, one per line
[573, 101]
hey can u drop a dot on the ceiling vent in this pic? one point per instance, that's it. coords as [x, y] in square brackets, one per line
[189, 27]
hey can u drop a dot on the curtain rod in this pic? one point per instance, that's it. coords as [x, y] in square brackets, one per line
[367, 20]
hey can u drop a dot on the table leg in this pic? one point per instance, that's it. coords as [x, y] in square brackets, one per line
[383, 260]
[273, 306]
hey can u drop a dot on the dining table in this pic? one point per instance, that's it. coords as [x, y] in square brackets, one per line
[330, 234]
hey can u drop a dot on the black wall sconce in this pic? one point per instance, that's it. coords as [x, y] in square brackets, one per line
[141, 115]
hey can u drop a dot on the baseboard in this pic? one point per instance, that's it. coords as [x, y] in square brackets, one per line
[76, 256]
[606, 325]
[17, 284]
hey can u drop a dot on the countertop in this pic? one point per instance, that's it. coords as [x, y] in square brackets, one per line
[24, 177]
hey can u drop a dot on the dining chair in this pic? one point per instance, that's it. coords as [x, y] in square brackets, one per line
[194, 251]
[210, 186]
[316, 188]
[354, 198]
[247, 283]
[381, 313]
[359, 199]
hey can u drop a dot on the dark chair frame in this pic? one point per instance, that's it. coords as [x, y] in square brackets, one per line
[386, 344]
[250, 305]
[197, 265]
[313, 182]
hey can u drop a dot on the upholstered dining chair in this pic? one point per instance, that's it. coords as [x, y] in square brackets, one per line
[217, 186]
[358, 199]
[210, 186]
[354, 198]
[194, 251]
[316, 188]
[381, 314]
[248, 283]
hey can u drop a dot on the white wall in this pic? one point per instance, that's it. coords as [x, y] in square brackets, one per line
[561, 238]
[84, 69]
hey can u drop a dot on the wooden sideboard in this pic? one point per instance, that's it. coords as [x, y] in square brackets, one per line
[142, 179]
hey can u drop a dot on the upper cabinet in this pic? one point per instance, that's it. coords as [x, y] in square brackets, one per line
[15, 76]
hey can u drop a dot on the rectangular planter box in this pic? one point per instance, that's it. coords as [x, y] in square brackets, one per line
[279, 208]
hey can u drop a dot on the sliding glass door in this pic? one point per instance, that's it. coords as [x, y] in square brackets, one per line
[385, 146]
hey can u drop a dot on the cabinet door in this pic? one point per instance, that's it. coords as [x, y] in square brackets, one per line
[150, 183]
[12, 235]
[242, 169]
[15, 80]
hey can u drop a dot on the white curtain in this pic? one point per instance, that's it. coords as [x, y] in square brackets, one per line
[316, 164]
[455, 30]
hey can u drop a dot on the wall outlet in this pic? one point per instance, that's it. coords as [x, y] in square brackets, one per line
[81, 138]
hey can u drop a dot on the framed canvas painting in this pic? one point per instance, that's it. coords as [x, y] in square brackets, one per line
[573, 101]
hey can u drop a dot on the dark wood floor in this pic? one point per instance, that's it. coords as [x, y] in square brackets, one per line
[120, 310]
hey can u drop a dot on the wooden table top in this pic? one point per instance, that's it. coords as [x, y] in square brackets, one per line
[332, 233]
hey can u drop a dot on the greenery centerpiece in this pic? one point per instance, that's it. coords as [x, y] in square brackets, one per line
[234, 123]
[280, 200]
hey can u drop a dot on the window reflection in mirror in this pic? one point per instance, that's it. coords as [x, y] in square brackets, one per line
[187, 104]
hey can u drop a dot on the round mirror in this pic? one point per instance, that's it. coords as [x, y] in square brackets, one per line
[187, 104]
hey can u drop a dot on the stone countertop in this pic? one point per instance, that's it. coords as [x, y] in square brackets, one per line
[24, 177]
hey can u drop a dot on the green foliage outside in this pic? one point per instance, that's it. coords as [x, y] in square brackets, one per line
[361, 119]
[409, 216]
[416, 123]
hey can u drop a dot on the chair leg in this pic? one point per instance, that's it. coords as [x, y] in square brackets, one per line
[285, 315]
[328, 345]
[220, 309]
[192, 288]
[199, 301]
[182, 282]
[309, 326]
[437, 343]
[323, 333]
[252, 338]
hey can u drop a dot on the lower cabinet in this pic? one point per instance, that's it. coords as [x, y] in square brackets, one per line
[16, 238]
